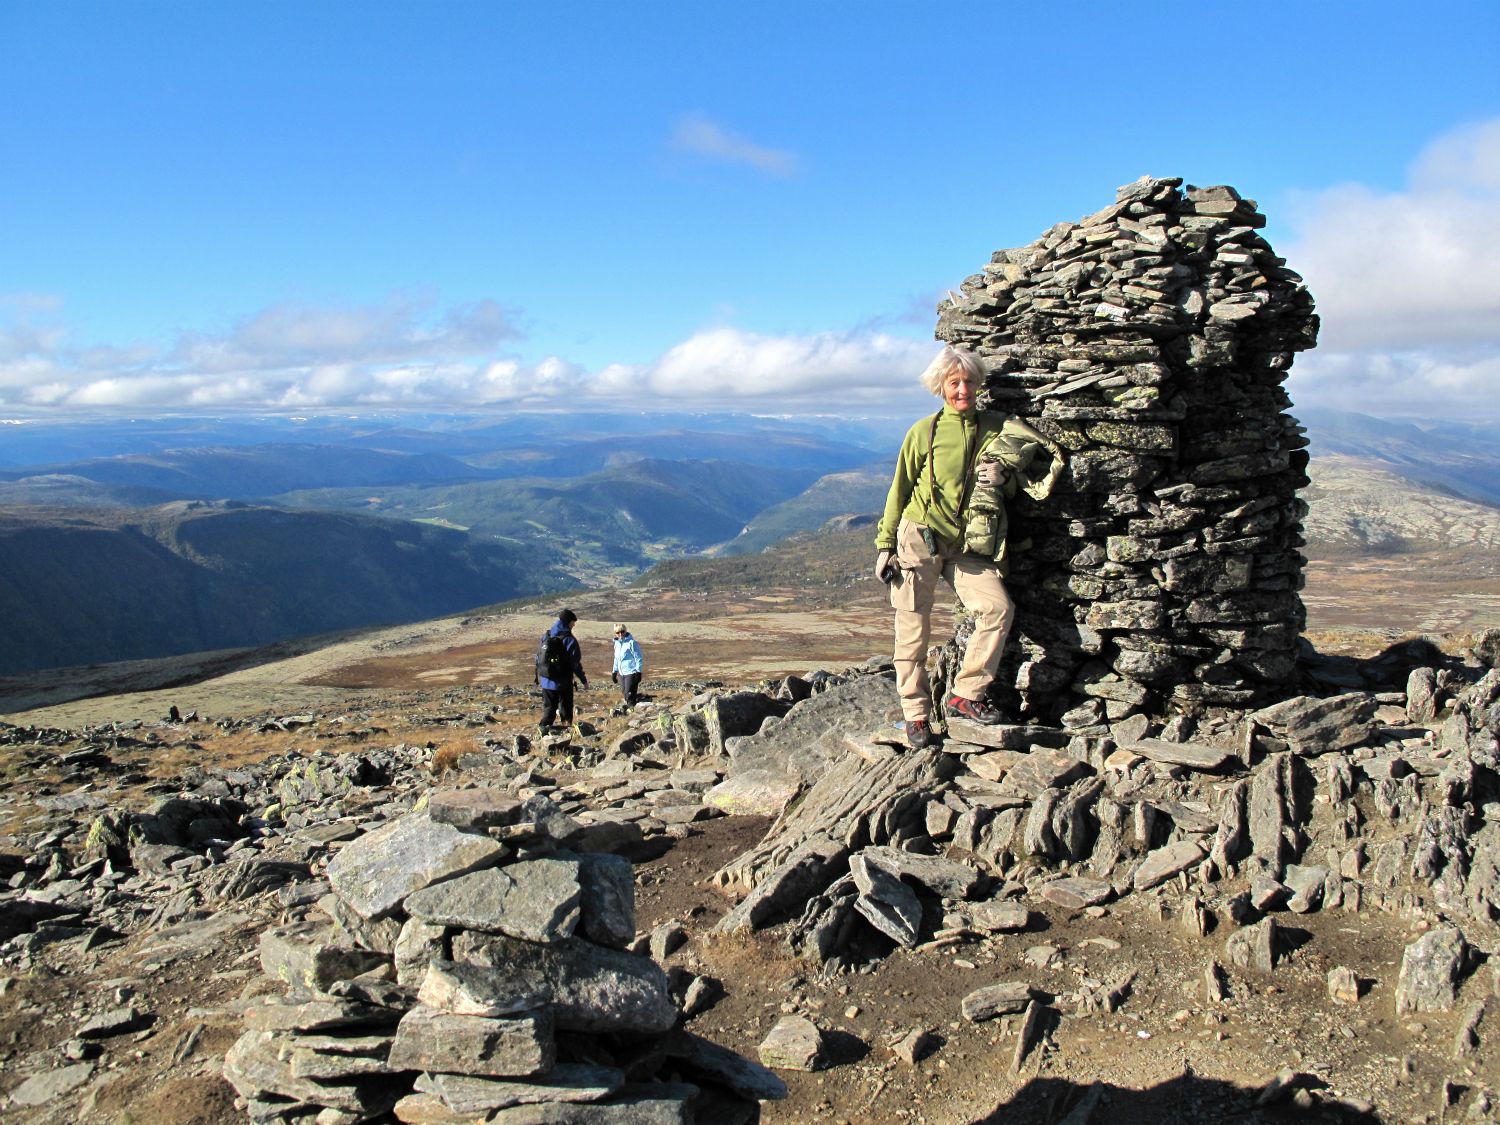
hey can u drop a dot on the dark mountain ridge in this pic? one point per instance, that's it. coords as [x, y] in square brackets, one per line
[80, 586]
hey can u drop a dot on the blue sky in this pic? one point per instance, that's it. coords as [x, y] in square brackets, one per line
[280, 206]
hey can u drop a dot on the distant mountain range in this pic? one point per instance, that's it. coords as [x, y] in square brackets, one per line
[1459, 458]
[80, 586]
[292, 527]
[238, 472]
[610, 523]
[160, 548]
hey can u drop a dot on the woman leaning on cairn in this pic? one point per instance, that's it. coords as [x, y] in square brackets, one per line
[945, 518]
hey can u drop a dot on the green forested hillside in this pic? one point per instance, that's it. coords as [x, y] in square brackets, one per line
[857, 492]
[609, 523]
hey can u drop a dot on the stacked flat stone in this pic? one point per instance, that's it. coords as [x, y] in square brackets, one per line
[471, 968]
[1151, 340]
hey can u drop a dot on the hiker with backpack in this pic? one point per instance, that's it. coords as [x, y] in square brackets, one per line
[945, 517]
[558, 661]
[628, 664]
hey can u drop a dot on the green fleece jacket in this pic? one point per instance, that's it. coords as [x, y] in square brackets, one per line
[962, 440]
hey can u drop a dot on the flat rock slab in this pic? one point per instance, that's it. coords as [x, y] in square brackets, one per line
[374, 874]
[1005, 736]
[202, 933]
[795, 1043]
[1043, 769]
[473, 809]
[1074, 892]
[607, 902]
[993, 765]
[877, 747]
[536, 900]
[259, 1066]
[1255, 947]
[324, 1059]
[998, 917]
[428, 1039]
[1317, 726]
[472, 990]
[115, 1021]
[319, 1015]
[565, 1082]
[1193, 755]
[785, 891]
[946, 878]
[706, 1059]
[810, 737]
[42, 1088]
[694, 781]
[1164, 863]
[754, 792]
[648, 1103]
[885, 901]
[1308, 884]
[308, 958]
[591, 987]
[996, 1000]
[914, 1046]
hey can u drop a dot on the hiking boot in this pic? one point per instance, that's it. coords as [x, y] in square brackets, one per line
[975, 710]
[919, 734]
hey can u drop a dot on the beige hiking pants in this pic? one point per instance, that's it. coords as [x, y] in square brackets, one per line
[978, 585]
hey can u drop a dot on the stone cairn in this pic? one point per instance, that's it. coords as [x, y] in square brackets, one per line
[474, 969]
[1150, 340]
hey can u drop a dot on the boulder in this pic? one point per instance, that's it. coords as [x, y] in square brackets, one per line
[795, 1043]
[537, 900]
[589, 987]
[1430, 969]
[811, 735]
[429, 1039]
[374, 874]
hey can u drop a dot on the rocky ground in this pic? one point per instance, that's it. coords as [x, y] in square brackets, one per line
[1239, 919]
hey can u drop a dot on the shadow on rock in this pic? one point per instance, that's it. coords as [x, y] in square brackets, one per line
[1285, 1099]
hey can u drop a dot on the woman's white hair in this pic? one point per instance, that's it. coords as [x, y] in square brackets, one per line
[944, 362]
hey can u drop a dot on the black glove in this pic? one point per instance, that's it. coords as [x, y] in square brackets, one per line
[614, 677]
[583, 681]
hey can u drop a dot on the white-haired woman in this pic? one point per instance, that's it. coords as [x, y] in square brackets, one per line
[945, 519]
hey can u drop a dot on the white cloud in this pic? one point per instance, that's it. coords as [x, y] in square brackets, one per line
[697, 134]
[1407, 285]
[400, 353]
[728, 365]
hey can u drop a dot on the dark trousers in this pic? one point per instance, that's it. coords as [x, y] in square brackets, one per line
[630, 686]
[558, 704]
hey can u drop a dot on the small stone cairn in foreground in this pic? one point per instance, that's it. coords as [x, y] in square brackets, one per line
[1150, 340]
[475, 969]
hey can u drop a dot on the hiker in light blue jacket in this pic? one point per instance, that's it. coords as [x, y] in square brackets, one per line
[627, 670]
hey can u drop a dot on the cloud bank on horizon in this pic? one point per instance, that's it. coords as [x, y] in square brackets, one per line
[1407, 284]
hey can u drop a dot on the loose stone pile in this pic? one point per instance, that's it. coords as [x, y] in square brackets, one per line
[472, 968]
[1150, 340]
[455, 955]
[1365, 799]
